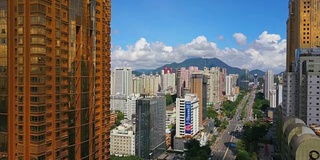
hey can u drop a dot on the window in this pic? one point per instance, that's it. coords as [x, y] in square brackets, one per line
[3, 41]
[34, 89]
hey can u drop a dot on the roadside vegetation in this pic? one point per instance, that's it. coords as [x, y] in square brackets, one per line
[243, 111]
[229, 108]
[260, 105]
[247, 148]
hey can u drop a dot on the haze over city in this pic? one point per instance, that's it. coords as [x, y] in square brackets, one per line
[242, 34]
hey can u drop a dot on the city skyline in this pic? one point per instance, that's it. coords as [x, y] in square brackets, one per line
[202, 33]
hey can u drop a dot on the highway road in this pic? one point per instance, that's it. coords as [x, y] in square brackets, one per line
[223, 150]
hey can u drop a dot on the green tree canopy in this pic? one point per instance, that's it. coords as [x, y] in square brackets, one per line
[169, 99]
[195, 151]
[217, 122]
[243, 155]
[211, 113]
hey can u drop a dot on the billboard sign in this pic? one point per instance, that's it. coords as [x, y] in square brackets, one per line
[188, 124]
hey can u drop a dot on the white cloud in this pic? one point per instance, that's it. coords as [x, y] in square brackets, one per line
[268, 51]
[240, 38]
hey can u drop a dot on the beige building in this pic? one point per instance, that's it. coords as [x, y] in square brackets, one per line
[122, 140]
[213, 90]
[149, 84]
[298, 141]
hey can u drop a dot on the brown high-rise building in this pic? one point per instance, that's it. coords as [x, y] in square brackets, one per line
[198, 86]
[303, 27]
[54, 79]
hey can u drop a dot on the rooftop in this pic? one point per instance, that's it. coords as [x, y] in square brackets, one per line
[124, 128]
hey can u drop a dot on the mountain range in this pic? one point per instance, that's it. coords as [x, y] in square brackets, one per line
[200, 63]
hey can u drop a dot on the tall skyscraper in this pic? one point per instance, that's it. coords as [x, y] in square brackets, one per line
[168, 81]
[214, 89]
[244, 79]
[150, 127]
[122, 81]
[187, 121]
[228, 85]
[268, 83]
[183, 78]
[303, 29]
[54, 79]
[301, 97]
[255, 80]
[198, 86]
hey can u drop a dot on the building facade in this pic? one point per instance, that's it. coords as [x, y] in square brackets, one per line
[300, 31]
[214, 89]
[122, 142]
[302, 88]
[55, 79]
[268, 84]
[290, 96]
[279, 93]
[187, 116]
[150, 140]
[255, 80]
[273, 98]
[183, 78]
[168, 81]
[125, 104]
[297, 140]
[198, 86]
[122, 81]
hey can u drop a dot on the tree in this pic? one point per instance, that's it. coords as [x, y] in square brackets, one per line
[217, 122]
[194, 151]
[254, 156]
[252, 133]
[240, 146]
[243, 155]
[120, 117]
[211, 113]
[168, 99]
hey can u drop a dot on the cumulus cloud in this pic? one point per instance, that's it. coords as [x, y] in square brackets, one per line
[268, 51]
[240, 38]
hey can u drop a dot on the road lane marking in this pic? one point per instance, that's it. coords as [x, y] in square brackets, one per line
[225, 154]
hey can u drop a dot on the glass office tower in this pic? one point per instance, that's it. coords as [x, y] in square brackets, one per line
[54, 79]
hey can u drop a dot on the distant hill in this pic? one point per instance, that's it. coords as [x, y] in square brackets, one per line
[201, 63]
[258, 72]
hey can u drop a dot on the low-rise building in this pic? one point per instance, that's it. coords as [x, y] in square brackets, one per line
[122, 140]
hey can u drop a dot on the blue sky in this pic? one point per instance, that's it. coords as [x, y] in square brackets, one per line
[179, 21]
[176, 22]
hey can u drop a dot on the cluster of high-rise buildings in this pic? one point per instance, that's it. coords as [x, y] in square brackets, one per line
[299, 112]
[142, 100]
